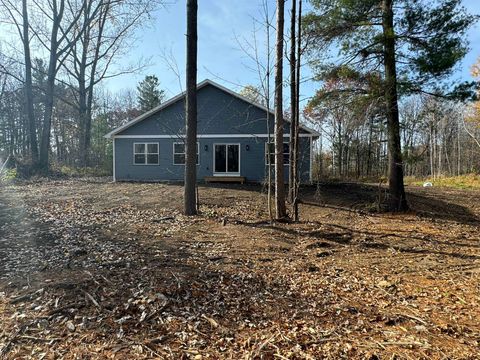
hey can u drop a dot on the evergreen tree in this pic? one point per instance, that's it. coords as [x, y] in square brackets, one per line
[414, 44]
[149, 93]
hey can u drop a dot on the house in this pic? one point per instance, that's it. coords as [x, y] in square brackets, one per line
[232, 140]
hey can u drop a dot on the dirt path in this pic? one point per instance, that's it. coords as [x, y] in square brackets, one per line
[98, 270]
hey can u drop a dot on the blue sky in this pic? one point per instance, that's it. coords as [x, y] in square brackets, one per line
[222, 24]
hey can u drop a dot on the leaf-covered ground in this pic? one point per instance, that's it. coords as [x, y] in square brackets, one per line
[91, 269]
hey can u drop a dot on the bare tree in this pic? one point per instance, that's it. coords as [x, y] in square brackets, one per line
[293, 101]
[470, 132]
[267, 101]
[280, 208]
[190, 207]
[296, 122]
[102, 39]
[32, 130]
[295, 54]
[261, 94]
[22, 25]
[58, 42]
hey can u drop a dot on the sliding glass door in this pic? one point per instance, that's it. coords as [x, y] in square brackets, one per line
[226, 159]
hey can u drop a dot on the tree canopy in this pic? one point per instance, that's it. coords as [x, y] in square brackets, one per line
[430, 40]
[412, 46]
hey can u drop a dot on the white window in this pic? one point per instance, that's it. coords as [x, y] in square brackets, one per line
[145, 153]
[270, 153]
[179, 153]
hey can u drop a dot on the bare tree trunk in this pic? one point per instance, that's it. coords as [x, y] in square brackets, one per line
[340, 149]
[47, 120]
[98, 49]
[432, 153]
[296, 149]
[281, 211]
[267, 100]
[470, 133]
[82, 108]
[458, 150]
[63, 37]
[369, 155]
[32, 131]
[440, 153]
[398, 201]
[191, 111]
[293, 102]
[81, 68]
[50, 86]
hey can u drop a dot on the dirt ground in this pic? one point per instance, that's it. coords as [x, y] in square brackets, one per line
[91, 269]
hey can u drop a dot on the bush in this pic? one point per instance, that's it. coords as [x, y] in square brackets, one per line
[8, 174]
[82, 172]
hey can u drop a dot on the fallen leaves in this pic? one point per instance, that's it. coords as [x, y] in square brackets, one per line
[115, 270]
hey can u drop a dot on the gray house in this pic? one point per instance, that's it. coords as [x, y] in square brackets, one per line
[232, 140]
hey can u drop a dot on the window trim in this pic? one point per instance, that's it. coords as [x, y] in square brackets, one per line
[175, 153]
[267, 158]
[146, 153]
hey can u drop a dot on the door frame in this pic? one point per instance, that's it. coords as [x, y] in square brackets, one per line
[226, 160]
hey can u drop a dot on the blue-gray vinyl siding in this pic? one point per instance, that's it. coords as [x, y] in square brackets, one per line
[252, 161]
[219, 113]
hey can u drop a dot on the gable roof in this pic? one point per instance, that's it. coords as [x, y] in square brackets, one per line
[181, 95]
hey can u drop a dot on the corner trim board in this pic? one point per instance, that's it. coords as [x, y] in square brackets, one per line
[311, 160]
[114, 175]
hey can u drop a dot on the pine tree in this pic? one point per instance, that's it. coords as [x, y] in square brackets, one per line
[414, 44]
[149, 93]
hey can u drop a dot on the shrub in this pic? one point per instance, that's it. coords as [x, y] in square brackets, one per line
[8, 174]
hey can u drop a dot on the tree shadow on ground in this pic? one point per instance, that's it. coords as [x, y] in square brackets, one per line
[332, 237]
[365, 197]
[113, 303]
[162, 293]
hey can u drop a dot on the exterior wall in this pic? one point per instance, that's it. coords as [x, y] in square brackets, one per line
[218, 113]
[252, 162]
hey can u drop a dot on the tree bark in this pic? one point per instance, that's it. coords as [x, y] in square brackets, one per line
[280, 208]
[82, 94]
[50, 86]
[293, 103]
[86, 84]
[296, 148]
[82, 109]
[269, 130]
[32, 129]
[191, 111]
[398, 201]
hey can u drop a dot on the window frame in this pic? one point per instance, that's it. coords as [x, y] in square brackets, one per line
[146, 153]
[227, 173]
[267, 158]
[184, 154]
